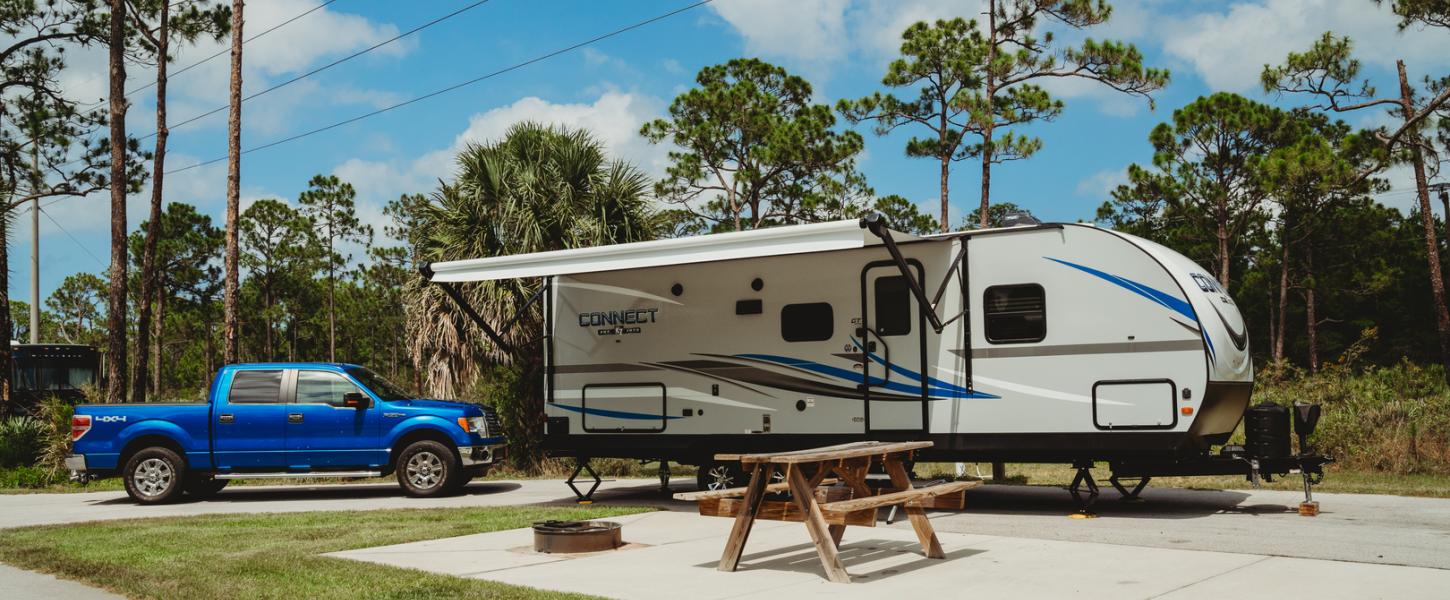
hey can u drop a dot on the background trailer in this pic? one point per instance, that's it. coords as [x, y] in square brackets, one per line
[1043, 343]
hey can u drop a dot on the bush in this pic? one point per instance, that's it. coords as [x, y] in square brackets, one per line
[1393, 418]
[26, 477]
[21, 438]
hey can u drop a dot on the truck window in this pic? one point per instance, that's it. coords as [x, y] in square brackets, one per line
[1015, 313]
[256, 387]
[322, 387]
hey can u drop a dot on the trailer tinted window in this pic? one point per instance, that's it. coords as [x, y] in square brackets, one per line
[893, 306]
[255, 387]
[1015, 313]
[810, 322]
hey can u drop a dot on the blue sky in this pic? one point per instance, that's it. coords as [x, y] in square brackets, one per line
[841, 46]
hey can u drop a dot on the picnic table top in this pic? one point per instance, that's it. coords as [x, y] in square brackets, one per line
[850, 450]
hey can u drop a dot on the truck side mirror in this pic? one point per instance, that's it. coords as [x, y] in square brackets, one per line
[356, 400]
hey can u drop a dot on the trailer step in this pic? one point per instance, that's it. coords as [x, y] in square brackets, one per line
[300, 475]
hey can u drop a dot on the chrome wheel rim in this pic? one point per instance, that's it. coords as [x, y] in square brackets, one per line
[425, 470]
[719, 477]
[153, 477]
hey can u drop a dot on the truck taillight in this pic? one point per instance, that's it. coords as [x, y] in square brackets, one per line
[79, 425]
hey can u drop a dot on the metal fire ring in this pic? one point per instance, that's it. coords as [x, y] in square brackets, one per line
[566, 537]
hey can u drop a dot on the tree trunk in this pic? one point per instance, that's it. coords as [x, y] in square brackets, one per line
[1223, 253]
[116, 305]
[158, 323]
[6, 326]
[1311, 320]
[1283, 295]
[153, 229]
[989, 92]
[946, 168]
[1427, 218]
[331, 303]
[270, 325]
[230, 329]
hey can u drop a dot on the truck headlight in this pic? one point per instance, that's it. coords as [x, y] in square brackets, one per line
[478, 425]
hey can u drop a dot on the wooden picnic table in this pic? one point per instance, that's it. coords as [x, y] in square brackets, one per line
[828, 492]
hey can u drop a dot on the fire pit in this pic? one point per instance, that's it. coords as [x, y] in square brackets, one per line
[566, 537]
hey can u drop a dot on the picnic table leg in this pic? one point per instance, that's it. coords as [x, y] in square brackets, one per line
[816, 524]
[754, 494]
[924, 532]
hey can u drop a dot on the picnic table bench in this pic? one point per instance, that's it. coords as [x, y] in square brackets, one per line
[828, 492]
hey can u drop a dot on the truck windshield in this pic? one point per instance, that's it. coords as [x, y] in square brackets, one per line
[384, 389]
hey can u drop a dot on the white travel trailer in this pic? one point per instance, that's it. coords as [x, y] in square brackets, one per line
[1042, 343]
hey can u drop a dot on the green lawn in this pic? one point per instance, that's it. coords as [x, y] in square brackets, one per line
[1335, 481]
[272, 555]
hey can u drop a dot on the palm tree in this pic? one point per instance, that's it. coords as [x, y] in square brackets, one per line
[539, 188]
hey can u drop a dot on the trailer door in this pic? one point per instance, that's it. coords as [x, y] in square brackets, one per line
[892, 337]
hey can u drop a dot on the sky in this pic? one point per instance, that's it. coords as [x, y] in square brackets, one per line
[612, 87]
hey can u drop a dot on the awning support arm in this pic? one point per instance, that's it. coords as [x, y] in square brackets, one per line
[462, 304]
[877, 226]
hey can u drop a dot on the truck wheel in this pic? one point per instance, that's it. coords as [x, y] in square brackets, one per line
[154, 476]
[427, 468]
[201, 489]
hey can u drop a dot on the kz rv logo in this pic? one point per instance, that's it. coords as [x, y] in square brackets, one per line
[618, 320]
[111, 419]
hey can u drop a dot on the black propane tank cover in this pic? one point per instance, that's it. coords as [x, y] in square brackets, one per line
[1266, 431]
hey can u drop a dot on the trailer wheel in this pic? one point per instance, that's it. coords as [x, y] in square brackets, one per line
[427, 468]
[716, 475]
[154, 475]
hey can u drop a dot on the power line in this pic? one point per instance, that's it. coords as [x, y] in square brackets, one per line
[72, 238]
[456, 86]
[328, 65]
[225, 50]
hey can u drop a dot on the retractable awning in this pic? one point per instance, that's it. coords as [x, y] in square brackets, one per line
[776, 241]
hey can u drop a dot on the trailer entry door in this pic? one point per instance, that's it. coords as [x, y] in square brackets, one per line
[892, 338]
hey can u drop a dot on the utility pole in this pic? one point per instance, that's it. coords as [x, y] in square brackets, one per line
[35, 244]
[1444, 189]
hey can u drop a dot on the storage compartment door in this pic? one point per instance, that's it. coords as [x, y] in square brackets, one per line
[1135, 404]
[624, 408]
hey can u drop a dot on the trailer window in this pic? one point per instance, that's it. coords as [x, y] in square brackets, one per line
[893, 306]
[255, 387]
[809, 322]
[1015, 313]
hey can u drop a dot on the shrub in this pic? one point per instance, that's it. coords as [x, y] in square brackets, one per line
[25, 477]
[21, 438]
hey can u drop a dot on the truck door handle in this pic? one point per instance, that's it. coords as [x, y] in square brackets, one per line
[226, 418]
[294, 417]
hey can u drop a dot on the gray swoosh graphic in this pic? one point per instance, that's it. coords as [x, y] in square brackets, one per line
[1239, 338]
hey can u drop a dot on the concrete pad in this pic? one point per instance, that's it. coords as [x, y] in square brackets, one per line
[679, 553]
[19, 584]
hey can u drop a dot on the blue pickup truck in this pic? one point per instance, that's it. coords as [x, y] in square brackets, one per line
[276, 420]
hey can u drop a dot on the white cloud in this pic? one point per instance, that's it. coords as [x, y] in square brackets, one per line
[614, 118]
[1102, 183]
[809, 30]
[1228, 48]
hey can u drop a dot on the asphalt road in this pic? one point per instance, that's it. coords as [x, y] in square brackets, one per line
[1351, 527]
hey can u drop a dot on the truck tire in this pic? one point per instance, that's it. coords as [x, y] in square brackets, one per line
[427, 468]
[154, 475]
[199, 488]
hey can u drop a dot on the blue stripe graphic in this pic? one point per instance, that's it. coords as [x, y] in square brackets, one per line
[1161, 298]
[933, 390]
[614, 414]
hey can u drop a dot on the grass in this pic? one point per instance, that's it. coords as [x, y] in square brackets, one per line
[272, 555]
[1344, 481]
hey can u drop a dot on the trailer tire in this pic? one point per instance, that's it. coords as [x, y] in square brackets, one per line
[154, 475]
[719, 475]
[427, 468]
[201, 488]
